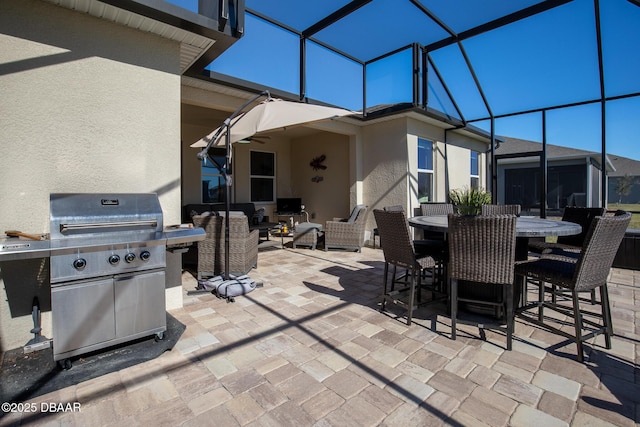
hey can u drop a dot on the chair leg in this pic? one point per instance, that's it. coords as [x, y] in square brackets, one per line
[508, 295]
[385, 278]
[606, 315]
[453, 295]
[412, 297]
[393, 278]
[540, 300]
[578, 325]
[593, 296]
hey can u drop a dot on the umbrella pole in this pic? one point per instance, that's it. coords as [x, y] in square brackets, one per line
[227, 179]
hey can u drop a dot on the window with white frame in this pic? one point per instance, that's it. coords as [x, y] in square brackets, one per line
[475, 170]
[214, 188]
[263, 176]
[425, 170]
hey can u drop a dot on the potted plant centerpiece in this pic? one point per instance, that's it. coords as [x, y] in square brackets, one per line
[469, 201]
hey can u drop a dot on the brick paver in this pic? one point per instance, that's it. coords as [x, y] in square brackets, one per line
[311, 348]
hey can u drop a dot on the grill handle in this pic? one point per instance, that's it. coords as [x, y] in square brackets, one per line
[88, 226]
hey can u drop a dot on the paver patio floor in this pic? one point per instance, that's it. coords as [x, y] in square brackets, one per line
[311, 348]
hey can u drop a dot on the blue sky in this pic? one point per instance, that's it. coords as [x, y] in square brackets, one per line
[539, 62]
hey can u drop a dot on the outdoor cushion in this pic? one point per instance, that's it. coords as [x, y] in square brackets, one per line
[354, 214]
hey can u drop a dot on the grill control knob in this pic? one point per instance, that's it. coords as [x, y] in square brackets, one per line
[145, 255]
[79, 264]
[114, 259]
[130, 257]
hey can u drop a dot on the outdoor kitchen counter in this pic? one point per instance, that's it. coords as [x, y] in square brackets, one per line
[19, 248]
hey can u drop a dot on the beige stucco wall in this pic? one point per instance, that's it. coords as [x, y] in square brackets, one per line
[86, 106]
[390, 162]
[385, 175]
[328, 198]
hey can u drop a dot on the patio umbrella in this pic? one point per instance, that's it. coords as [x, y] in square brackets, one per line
[270, 114]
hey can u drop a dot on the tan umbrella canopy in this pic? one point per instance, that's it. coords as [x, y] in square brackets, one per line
[272, 114]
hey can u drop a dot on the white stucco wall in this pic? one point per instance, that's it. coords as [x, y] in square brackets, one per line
[86, 106]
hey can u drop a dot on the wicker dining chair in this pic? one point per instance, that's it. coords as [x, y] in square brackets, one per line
[569, 246]
[482, 250]
[398, 250]
[584, 274]
[434, 243]
[500, 210]
[436, 208]
[573, 243]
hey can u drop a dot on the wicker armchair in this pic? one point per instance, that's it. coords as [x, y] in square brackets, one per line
[399, 251]
[346, 233]
[243, 245]
[500, 210]
[482, 250]
[584, 274]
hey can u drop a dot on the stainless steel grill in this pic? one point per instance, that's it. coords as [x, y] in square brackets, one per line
[107, 269]
[105, 235]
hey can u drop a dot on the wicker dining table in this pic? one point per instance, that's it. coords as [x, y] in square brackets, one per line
[526, 227]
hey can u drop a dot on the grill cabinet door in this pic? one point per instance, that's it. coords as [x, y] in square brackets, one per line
[140, 303]
[82, 314]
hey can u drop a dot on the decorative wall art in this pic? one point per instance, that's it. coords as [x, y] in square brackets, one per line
[316, 164]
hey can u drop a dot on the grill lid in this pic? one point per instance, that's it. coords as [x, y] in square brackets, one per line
[91, 215]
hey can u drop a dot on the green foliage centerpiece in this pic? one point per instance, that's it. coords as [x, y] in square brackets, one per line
[469, 201]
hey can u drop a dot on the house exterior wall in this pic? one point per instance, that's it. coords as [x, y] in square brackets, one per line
[87, 106]
[390, 163]
[385, 166]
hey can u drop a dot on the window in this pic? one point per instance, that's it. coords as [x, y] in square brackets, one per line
[475, 168]
[425, 170]
[214, 187]
[263, 176]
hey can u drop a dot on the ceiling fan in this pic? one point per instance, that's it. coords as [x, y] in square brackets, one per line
[255, 138]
